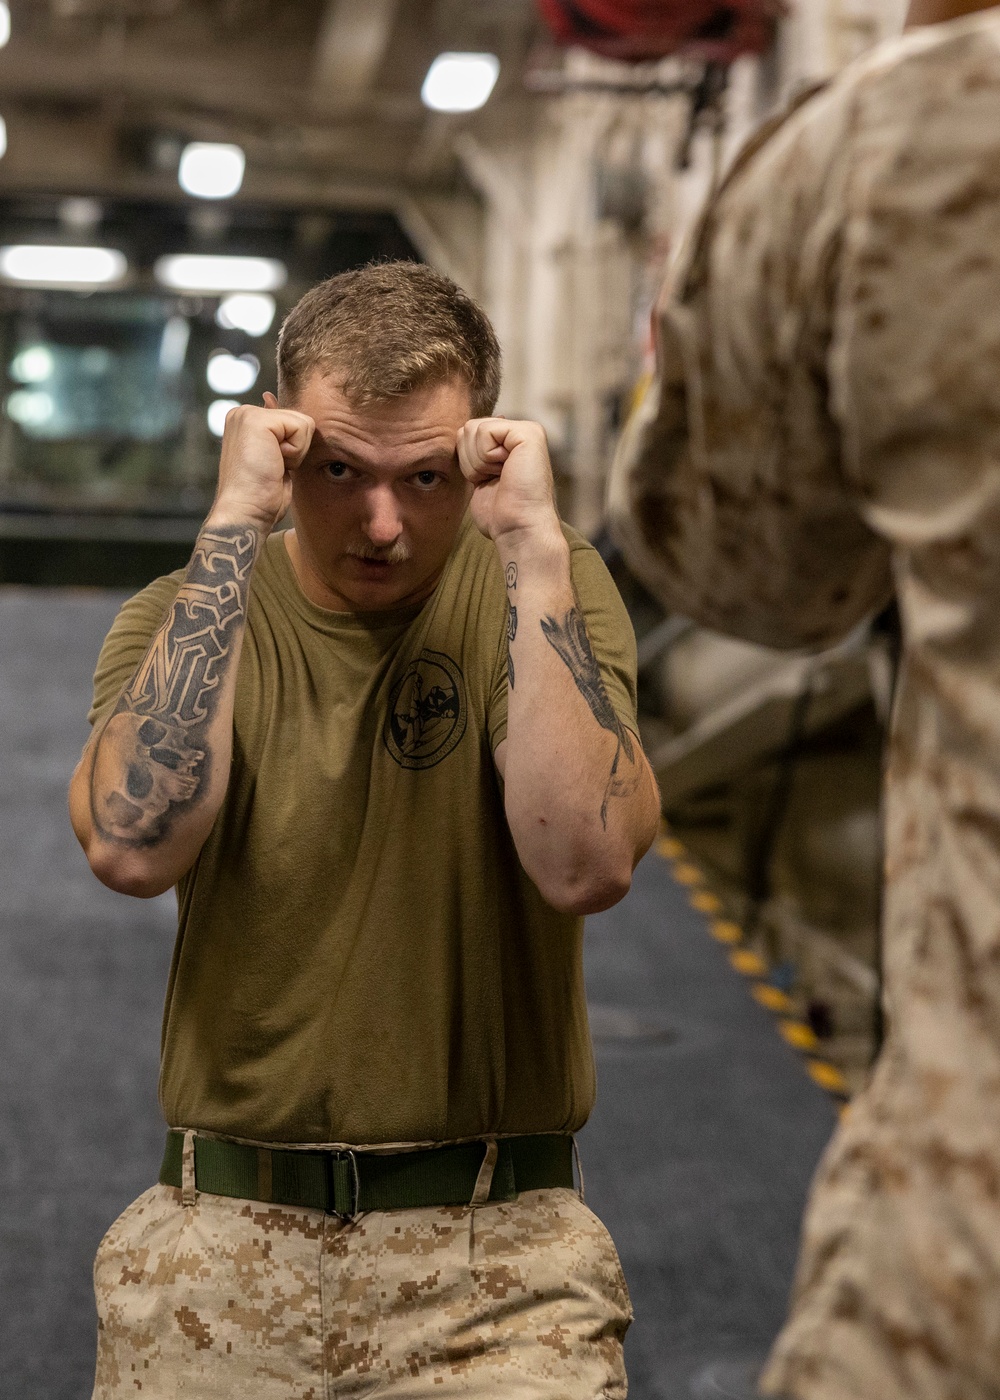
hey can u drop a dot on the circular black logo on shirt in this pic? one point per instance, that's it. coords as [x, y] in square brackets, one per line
[427, 712]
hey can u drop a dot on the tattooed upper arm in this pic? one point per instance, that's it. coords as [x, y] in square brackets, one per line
[152, 756]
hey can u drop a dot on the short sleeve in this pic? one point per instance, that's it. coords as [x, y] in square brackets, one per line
[611, 638]
[127, 642]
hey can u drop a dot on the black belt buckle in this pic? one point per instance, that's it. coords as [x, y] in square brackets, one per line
[354, 1193]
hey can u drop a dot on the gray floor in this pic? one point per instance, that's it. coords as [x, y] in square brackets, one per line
[698, 1155]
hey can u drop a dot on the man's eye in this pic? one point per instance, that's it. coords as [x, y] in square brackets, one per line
[427, 478]
[337, 470]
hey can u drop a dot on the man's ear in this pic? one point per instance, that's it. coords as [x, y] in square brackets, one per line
[269, 400]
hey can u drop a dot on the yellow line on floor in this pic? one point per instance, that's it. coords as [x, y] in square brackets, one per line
[749, 963]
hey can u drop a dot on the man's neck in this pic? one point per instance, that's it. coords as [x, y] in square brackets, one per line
[939, 11]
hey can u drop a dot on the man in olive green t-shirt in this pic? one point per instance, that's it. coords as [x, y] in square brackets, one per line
[389, 758]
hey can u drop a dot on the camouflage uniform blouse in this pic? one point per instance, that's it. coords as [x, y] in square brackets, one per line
[825, 425]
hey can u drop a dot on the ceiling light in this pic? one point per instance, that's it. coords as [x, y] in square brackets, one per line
[32, 365]
[211, 169]
[4, 23]
[216, 415]
[174, 344]
[459, 82]
[55, 265]
[30, 407]
[3, 137]
[231, 374]
[214, 272]
[251, 312]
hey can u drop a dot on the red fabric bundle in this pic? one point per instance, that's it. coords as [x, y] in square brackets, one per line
[641, 30]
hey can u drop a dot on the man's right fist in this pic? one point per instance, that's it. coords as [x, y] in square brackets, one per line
[261, 447]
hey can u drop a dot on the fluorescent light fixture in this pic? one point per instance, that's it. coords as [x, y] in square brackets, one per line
[251, 312]
[30, 407]
[3, 137]
[216, 415]
[459, 82]
[214, 272]
[231, 374]
[174, 344]
[56, 265]
[211, 169]
[4, 22]
[32, 365]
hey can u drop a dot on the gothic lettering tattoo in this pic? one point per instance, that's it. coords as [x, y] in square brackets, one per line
[152, 755]
[570, 640]
[510, 574]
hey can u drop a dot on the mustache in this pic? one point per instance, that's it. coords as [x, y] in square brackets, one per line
[397, 553]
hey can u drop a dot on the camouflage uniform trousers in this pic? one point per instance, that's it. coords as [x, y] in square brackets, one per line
[234, 1298]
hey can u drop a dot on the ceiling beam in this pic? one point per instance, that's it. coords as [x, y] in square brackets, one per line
[353, 38]
[247, 87]
[80, 155]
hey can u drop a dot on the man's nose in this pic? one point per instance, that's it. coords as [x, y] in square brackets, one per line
[383, 525]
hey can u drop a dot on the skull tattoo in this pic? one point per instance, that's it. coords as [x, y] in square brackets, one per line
[159, 767]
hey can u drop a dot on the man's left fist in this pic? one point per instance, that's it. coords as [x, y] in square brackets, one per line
[508, 465]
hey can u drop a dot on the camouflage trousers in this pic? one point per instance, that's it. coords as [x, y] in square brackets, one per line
[234, 1298]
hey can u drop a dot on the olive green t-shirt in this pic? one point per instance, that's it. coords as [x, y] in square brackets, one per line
[360, 957]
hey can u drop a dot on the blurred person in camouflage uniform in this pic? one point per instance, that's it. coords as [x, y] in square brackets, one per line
[824, 427]
[389, 759]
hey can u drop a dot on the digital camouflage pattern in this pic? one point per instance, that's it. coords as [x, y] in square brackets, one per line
[226, 1297]
[824, 423]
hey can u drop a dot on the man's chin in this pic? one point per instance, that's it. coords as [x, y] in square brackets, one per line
[371, 587]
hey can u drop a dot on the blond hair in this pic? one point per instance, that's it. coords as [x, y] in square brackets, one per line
[387, 329]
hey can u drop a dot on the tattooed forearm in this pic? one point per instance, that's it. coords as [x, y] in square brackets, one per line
[152, 755]
[511, 577]
[569, 638]
[511, 634]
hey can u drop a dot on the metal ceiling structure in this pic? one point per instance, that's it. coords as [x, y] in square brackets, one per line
[323, 95]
